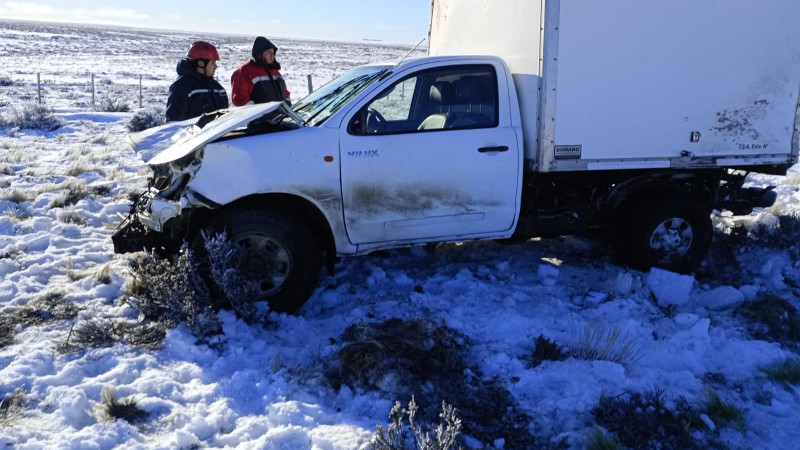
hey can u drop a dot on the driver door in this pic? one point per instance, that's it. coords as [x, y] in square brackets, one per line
[429, 159]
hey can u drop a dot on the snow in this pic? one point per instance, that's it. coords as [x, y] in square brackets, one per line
[264, 388]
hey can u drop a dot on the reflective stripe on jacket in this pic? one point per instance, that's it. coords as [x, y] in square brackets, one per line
[193, 94]
[252, 82]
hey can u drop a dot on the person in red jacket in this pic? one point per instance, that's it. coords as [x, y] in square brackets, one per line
[259, 80]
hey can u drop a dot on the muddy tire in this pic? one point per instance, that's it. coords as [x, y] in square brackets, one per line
[281, 259]
[671, 234]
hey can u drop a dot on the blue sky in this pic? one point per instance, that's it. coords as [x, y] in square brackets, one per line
[396, 21]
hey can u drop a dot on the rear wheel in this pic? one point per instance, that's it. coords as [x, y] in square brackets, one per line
[671, 234]
[280, 258]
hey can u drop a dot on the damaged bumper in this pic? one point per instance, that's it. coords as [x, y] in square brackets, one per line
[146, 226]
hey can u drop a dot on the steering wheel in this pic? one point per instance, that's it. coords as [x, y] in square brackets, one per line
[375, 120]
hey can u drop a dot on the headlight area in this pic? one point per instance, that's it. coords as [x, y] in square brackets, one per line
[143, 228]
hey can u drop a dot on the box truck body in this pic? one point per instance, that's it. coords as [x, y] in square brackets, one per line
[628, 84]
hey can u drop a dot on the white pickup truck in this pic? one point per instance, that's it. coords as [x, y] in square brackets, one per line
[638, 116]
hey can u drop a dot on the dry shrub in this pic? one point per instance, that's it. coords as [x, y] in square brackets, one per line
[396, 435]
[31, 116]
[231, 288]
[171, 291]
[93, 333]
[147, 118]
[643, 420]
[110, 104]
[6, 332]
[418, 348]
[48, 308]
[426, 360]
[105, 332]
[773, 319]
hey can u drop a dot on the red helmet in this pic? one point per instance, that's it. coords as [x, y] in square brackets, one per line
[203, 50]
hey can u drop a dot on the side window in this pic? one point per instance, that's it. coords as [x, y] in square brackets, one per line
[395, 104]
[452, 98]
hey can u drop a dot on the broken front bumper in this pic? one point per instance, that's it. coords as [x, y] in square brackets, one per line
[145, 227]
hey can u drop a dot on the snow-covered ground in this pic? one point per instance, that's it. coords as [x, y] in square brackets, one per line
[61, 193]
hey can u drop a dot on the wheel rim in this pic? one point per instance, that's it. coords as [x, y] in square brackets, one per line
[672, 239]
[267, 262]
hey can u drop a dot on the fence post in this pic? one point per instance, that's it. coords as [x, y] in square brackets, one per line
[140, 90]
[310, 85]
[39, 87]
[92, 91]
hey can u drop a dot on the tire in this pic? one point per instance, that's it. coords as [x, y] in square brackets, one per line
[670, 234]
[281, 258]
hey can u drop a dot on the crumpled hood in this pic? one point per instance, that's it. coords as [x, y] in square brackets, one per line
[177, 139]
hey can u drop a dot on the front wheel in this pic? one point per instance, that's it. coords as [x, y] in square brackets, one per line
[279, 258]
[673, 235]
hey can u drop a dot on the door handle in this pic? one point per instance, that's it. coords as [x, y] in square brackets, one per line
[501, 148]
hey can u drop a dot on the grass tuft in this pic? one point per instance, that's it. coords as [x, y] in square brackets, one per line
[547, 350]
[125, 409]
[786, 373]
[598, 440]
[72, 217]
[723, 413]
[611, 344]
[17, 195]
[12, 407]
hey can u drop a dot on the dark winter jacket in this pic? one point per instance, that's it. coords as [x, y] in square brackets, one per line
[257, 82]
[193, 94]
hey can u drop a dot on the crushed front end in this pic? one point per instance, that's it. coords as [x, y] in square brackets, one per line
[153, 224]
[158, 218]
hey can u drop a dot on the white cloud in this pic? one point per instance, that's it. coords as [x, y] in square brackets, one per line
[36, 11]
[110, 13]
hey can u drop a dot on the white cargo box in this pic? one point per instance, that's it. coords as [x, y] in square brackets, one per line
[624, 84]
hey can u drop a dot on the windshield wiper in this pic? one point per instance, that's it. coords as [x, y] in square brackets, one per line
[333, 98]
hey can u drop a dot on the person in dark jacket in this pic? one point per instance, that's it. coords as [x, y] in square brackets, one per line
[196, 92]
[259, 80]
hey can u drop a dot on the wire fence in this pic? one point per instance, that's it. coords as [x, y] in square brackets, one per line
[105, 92]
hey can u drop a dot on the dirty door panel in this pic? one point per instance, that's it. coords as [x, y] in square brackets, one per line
[427, 159]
